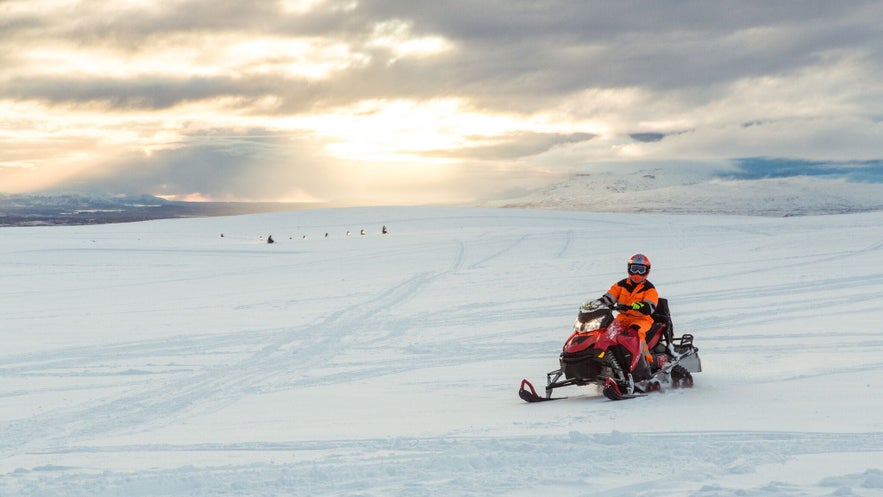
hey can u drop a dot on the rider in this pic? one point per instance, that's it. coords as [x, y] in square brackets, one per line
[640, 298]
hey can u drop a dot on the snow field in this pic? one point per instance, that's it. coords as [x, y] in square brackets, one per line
[160, 358]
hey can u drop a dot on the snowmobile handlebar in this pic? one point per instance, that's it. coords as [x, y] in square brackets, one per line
[596, 304]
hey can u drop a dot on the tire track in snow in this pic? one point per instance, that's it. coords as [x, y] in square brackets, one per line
[149, 400]
[257, 365]
[508, 248]
[367, 316]
[204, 389]
[565, 247]
[361, 316]
[531, 465]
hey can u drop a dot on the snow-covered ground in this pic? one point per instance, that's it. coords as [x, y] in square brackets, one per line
[162, 359]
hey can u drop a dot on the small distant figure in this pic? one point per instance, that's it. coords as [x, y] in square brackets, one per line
[384, 230]
[305, 237]
[222, 235]
[362, 232]
[347, 232]
[326, 235]
[270, 239]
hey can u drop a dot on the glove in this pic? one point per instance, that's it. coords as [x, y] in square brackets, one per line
[641, 307]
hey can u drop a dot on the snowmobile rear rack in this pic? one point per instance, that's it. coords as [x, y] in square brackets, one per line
[685, 341]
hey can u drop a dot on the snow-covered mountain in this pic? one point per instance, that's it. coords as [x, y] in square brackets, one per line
[77, 200]
[692, 191]
[78, 208]
[42, 209]
[161, 358]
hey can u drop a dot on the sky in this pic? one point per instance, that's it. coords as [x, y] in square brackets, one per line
[411, 101]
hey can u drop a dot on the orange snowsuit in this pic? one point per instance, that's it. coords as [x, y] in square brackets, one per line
[627, 292]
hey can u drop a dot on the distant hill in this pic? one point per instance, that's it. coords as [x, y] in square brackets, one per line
[87, 208]
[690, 192]
[673, 190]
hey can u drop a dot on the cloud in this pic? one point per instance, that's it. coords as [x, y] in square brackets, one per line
[512, 146]
[298, 98]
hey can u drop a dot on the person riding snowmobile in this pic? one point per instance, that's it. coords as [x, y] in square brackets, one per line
[640, 296]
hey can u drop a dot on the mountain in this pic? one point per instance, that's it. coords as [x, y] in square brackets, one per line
[89, 208]
[688, 191]
[75, 201]
[77, 208]
[758, 187]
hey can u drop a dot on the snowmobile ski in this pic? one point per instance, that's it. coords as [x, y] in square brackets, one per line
[612, 391]
[529, 394]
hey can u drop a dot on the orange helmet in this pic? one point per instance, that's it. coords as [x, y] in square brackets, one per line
[638, 267]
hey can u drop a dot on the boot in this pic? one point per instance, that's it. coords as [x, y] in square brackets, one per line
[642, 370]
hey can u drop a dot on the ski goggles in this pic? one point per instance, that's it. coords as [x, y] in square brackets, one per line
[638, 269]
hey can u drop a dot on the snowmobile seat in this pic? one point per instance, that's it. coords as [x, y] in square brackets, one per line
[662, 314]
[662, 329]
[655, 334]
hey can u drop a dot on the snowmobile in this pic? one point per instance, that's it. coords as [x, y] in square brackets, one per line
[601, 352]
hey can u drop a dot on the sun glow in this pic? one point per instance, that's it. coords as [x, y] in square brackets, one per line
[384, 130]
[306, 6]
[389, 143]
[396, 36]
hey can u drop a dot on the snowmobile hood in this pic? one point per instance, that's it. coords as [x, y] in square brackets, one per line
[579, 342]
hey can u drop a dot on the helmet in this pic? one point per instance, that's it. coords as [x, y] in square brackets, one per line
[638, 268]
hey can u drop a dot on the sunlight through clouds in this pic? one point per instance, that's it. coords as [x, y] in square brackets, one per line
[380, 130]
[305, 58]
[396, 36]
[296, 98]
[306, 6]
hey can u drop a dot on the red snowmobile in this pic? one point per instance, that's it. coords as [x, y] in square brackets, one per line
[601, 352]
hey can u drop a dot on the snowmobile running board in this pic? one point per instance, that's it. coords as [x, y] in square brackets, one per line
[611, 391]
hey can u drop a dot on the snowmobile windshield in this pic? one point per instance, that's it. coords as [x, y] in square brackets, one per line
[638, 269]
[591, 317]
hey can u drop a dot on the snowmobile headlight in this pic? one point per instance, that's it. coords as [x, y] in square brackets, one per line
[590, 325]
